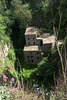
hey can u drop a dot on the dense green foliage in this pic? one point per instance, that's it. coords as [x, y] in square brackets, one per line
[3, 28]
[45, 68]
[15, 16]
[47, 14]
[21, 13]
[11, 55]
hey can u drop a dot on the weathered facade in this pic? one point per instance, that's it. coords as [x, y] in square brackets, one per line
[36, 45]
[32, 54]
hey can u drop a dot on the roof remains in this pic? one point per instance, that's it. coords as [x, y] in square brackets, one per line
[45, 35]
[31, 31]
[49, 39]
[32, 48]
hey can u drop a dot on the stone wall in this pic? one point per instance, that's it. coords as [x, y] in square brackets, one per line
[46, 47]
[30, 39]
[32, 57]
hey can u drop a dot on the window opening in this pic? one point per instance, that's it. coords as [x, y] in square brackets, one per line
[27, 56]
[28, 39]
[37, 52]
[33, 42]
[37, 57]
[29, 43]
[31, 56]
[32, 61]
[31, 52]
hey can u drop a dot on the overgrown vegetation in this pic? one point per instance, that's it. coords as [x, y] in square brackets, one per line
[47, 15]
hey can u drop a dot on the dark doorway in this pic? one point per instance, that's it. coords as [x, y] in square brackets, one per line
[41, 42]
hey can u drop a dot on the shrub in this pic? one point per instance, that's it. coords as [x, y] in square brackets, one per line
[11, 55]
[4, 94]
[45, 68]
[8, 92]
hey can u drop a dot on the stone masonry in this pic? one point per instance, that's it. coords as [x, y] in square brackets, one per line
[36, 45]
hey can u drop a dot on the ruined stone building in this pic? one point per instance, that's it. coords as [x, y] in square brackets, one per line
[35, 45]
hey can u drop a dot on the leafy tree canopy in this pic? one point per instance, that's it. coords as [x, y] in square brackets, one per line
[21, 12]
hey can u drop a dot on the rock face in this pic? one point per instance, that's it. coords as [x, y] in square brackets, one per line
[3, 51]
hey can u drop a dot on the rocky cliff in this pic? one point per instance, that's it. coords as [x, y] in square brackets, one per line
[3, 51]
